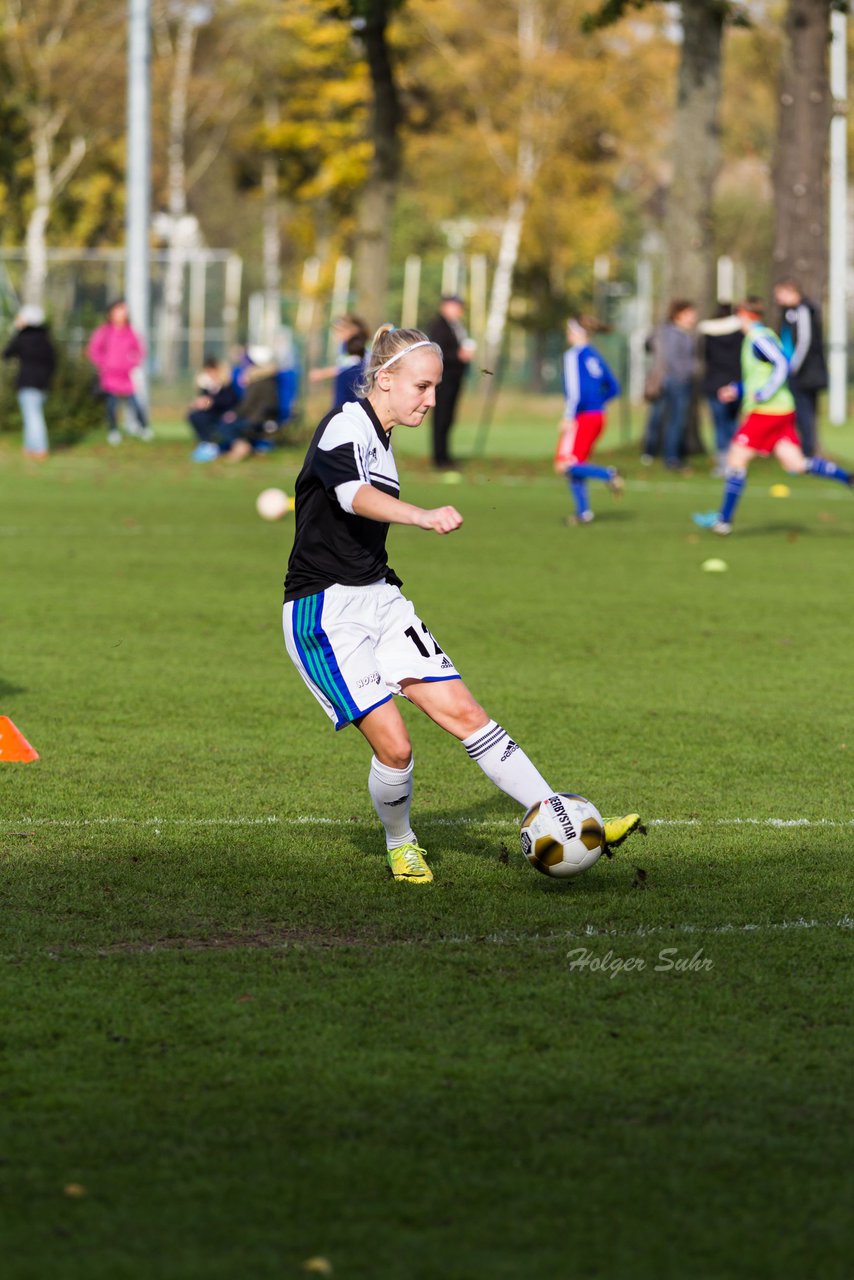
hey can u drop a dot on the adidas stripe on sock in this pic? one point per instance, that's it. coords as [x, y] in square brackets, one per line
[505, 763]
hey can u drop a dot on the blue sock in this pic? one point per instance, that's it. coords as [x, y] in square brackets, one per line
[587, 471]
[733, 489]
[578, 488]
[827, 470]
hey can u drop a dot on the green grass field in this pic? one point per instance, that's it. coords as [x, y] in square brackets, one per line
[233, 1049]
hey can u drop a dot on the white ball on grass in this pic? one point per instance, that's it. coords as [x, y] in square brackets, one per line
[272, 504]
[562, 835]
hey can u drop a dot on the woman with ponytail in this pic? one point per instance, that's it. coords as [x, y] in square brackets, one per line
[353, 636]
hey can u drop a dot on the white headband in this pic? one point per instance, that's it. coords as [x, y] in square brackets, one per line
[425, 342]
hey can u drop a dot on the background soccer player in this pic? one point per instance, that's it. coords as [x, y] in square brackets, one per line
[588, 386]
[769, 424]
[355, 639]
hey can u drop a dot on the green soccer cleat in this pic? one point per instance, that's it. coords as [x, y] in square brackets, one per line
[407, 863]
[619, 829]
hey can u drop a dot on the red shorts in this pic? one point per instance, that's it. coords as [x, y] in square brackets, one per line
[576, 444]
[763, 431]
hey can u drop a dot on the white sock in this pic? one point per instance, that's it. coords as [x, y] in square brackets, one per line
[391, 792]
[506, 764]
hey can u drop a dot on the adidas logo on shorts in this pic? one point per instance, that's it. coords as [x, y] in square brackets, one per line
[446, 664]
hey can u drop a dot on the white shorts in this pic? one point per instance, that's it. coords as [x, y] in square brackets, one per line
[354, 645]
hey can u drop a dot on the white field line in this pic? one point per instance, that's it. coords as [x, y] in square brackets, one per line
[317, 820]
[646, 931]
[658, 931]
[587, 931]
[504, 938]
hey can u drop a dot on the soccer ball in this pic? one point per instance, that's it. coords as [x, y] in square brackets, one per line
[562, 835]
[272, 504]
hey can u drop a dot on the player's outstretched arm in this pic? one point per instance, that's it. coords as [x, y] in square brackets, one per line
[372, 504]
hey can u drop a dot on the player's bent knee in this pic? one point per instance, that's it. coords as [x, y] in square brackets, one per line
[791, 458]
[399, 759]
[469, 719]
[387, 735]
[392, 750]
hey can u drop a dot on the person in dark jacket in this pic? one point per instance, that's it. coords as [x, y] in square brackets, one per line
[674, 350]
[803, 342]
[217, 395]
[256, 416]
[720, 349]
[449, 334]
[31, 346]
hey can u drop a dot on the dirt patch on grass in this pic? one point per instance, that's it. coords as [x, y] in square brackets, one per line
[234, 940]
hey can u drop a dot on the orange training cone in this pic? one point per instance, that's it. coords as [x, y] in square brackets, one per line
[13, 744]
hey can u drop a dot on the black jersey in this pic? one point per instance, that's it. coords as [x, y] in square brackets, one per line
[331, 543]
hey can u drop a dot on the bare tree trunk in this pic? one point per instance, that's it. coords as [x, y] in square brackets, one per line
[376, 207]
[800, 205]
[502, 280]
[173, 286]
[47, 184]
[36, 241]
[271, 232]
[528, 161]
[696, 154]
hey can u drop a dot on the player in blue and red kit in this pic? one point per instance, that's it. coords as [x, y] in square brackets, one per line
[588, 386]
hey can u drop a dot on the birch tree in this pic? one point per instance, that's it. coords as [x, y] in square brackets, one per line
[176, 31]
[267, 40]
[271, 222]
[305, 149]
[58, 52]
[199, 116]
[512, 76]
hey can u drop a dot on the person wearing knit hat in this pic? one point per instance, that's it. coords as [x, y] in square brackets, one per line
[32, 347]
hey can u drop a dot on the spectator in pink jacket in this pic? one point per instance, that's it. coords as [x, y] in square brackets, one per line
[115, 350]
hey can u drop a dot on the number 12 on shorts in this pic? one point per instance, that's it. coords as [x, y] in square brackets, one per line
[419, 643]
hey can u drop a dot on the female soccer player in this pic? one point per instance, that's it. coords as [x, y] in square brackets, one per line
[353, 636]
[769, 424]
[588, 385]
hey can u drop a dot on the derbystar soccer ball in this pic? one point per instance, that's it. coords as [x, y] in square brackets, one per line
[562, 835]
[272, 504]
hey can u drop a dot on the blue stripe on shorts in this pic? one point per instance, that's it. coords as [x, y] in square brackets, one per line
[318, 657]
